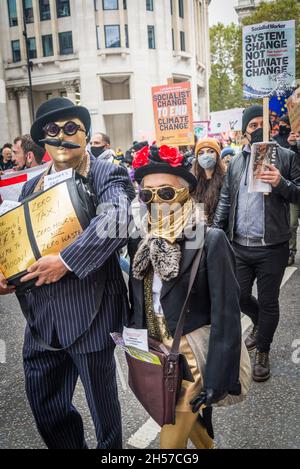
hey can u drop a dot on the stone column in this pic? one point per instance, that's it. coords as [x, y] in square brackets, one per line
[13, 114]
[54, 32]
[122, 26]
[21, 28]
[25, 117]
[176, 26]
[37, 28]
[4, 129]
[71, 89]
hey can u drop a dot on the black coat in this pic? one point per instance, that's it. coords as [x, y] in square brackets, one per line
[214, 300]
[277, 215]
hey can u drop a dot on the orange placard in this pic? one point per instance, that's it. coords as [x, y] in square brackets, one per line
[293, 105]
[173, 114]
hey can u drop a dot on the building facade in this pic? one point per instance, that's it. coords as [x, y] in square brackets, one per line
[247, 7]
[104, 54]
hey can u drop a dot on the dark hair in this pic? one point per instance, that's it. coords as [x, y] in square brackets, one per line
[105, 138]
[207, 191]
[27, 145]
[7, 145]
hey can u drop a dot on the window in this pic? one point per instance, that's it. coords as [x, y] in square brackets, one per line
[28, 11]
[63, 94]
[45, 13]
[112, 36]
[149, 5]
[98, 37]
[47, 45]
[65, 43]
[171, 6]
[124, 4]
[96, 5]
[173, 40]
[115, 88]
[182, 41]
[63, 8]
[31, 45]
[110, 4]
[126, 35]
[151, 37]
[181, 8]
[16, 52]
[12, 12]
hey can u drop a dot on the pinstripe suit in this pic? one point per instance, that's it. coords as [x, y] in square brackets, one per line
[61, 312]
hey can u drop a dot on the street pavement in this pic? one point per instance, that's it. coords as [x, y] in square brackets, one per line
[269, 418]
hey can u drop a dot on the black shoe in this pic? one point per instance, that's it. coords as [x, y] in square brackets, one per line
[291, 259]
[261, 367]
[250, 341]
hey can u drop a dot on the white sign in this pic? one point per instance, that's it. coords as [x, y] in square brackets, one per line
[268, 53]
[137, 338]
[55, 178]
[226, 121]
[8, 205]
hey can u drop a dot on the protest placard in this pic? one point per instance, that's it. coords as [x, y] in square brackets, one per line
[45, 225]
[173, 114]
[268, 52]
[226, 121]
[201, 129]
[262, 154]
[293, 105]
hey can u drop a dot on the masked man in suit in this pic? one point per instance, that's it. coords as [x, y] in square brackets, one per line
[79, 295]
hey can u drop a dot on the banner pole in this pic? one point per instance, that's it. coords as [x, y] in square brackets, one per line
[266, 123]
[266, 119]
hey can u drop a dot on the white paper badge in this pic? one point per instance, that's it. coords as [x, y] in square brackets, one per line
[136, 338]
[55, 178]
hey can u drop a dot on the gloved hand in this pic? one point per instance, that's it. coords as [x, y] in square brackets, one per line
[207, 398]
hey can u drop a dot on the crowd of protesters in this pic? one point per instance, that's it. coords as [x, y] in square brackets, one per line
[252, 236]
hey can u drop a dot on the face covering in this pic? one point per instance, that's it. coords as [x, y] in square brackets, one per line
[283, 130]
[207, 161]
[97, 151]
[257, 136]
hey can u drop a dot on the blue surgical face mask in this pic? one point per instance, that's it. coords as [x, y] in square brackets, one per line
[207, 160]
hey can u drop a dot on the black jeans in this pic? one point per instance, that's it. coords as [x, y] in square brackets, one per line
[266, 264]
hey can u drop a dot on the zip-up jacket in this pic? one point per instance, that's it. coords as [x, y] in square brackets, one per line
[275, 206]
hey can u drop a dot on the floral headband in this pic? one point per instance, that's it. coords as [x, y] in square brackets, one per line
[164, 154]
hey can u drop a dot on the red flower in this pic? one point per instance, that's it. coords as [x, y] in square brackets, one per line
[141, 158]
[172, 156]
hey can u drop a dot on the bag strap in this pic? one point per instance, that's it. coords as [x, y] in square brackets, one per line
[173, 356]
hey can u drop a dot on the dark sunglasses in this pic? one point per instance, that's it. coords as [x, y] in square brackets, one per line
[70, 128]
[164, 193]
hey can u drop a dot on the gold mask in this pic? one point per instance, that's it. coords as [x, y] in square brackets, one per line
[64, 158]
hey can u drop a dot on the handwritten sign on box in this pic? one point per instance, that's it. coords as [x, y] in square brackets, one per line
[16, 253]
[44, 225]
[293, 105]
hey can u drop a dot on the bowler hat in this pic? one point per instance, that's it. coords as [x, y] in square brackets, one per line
[57, 109]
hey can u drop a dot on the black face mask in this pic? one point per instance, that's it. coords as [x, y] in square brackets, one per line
[97, 151]
[283, 130]
[257, 136]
